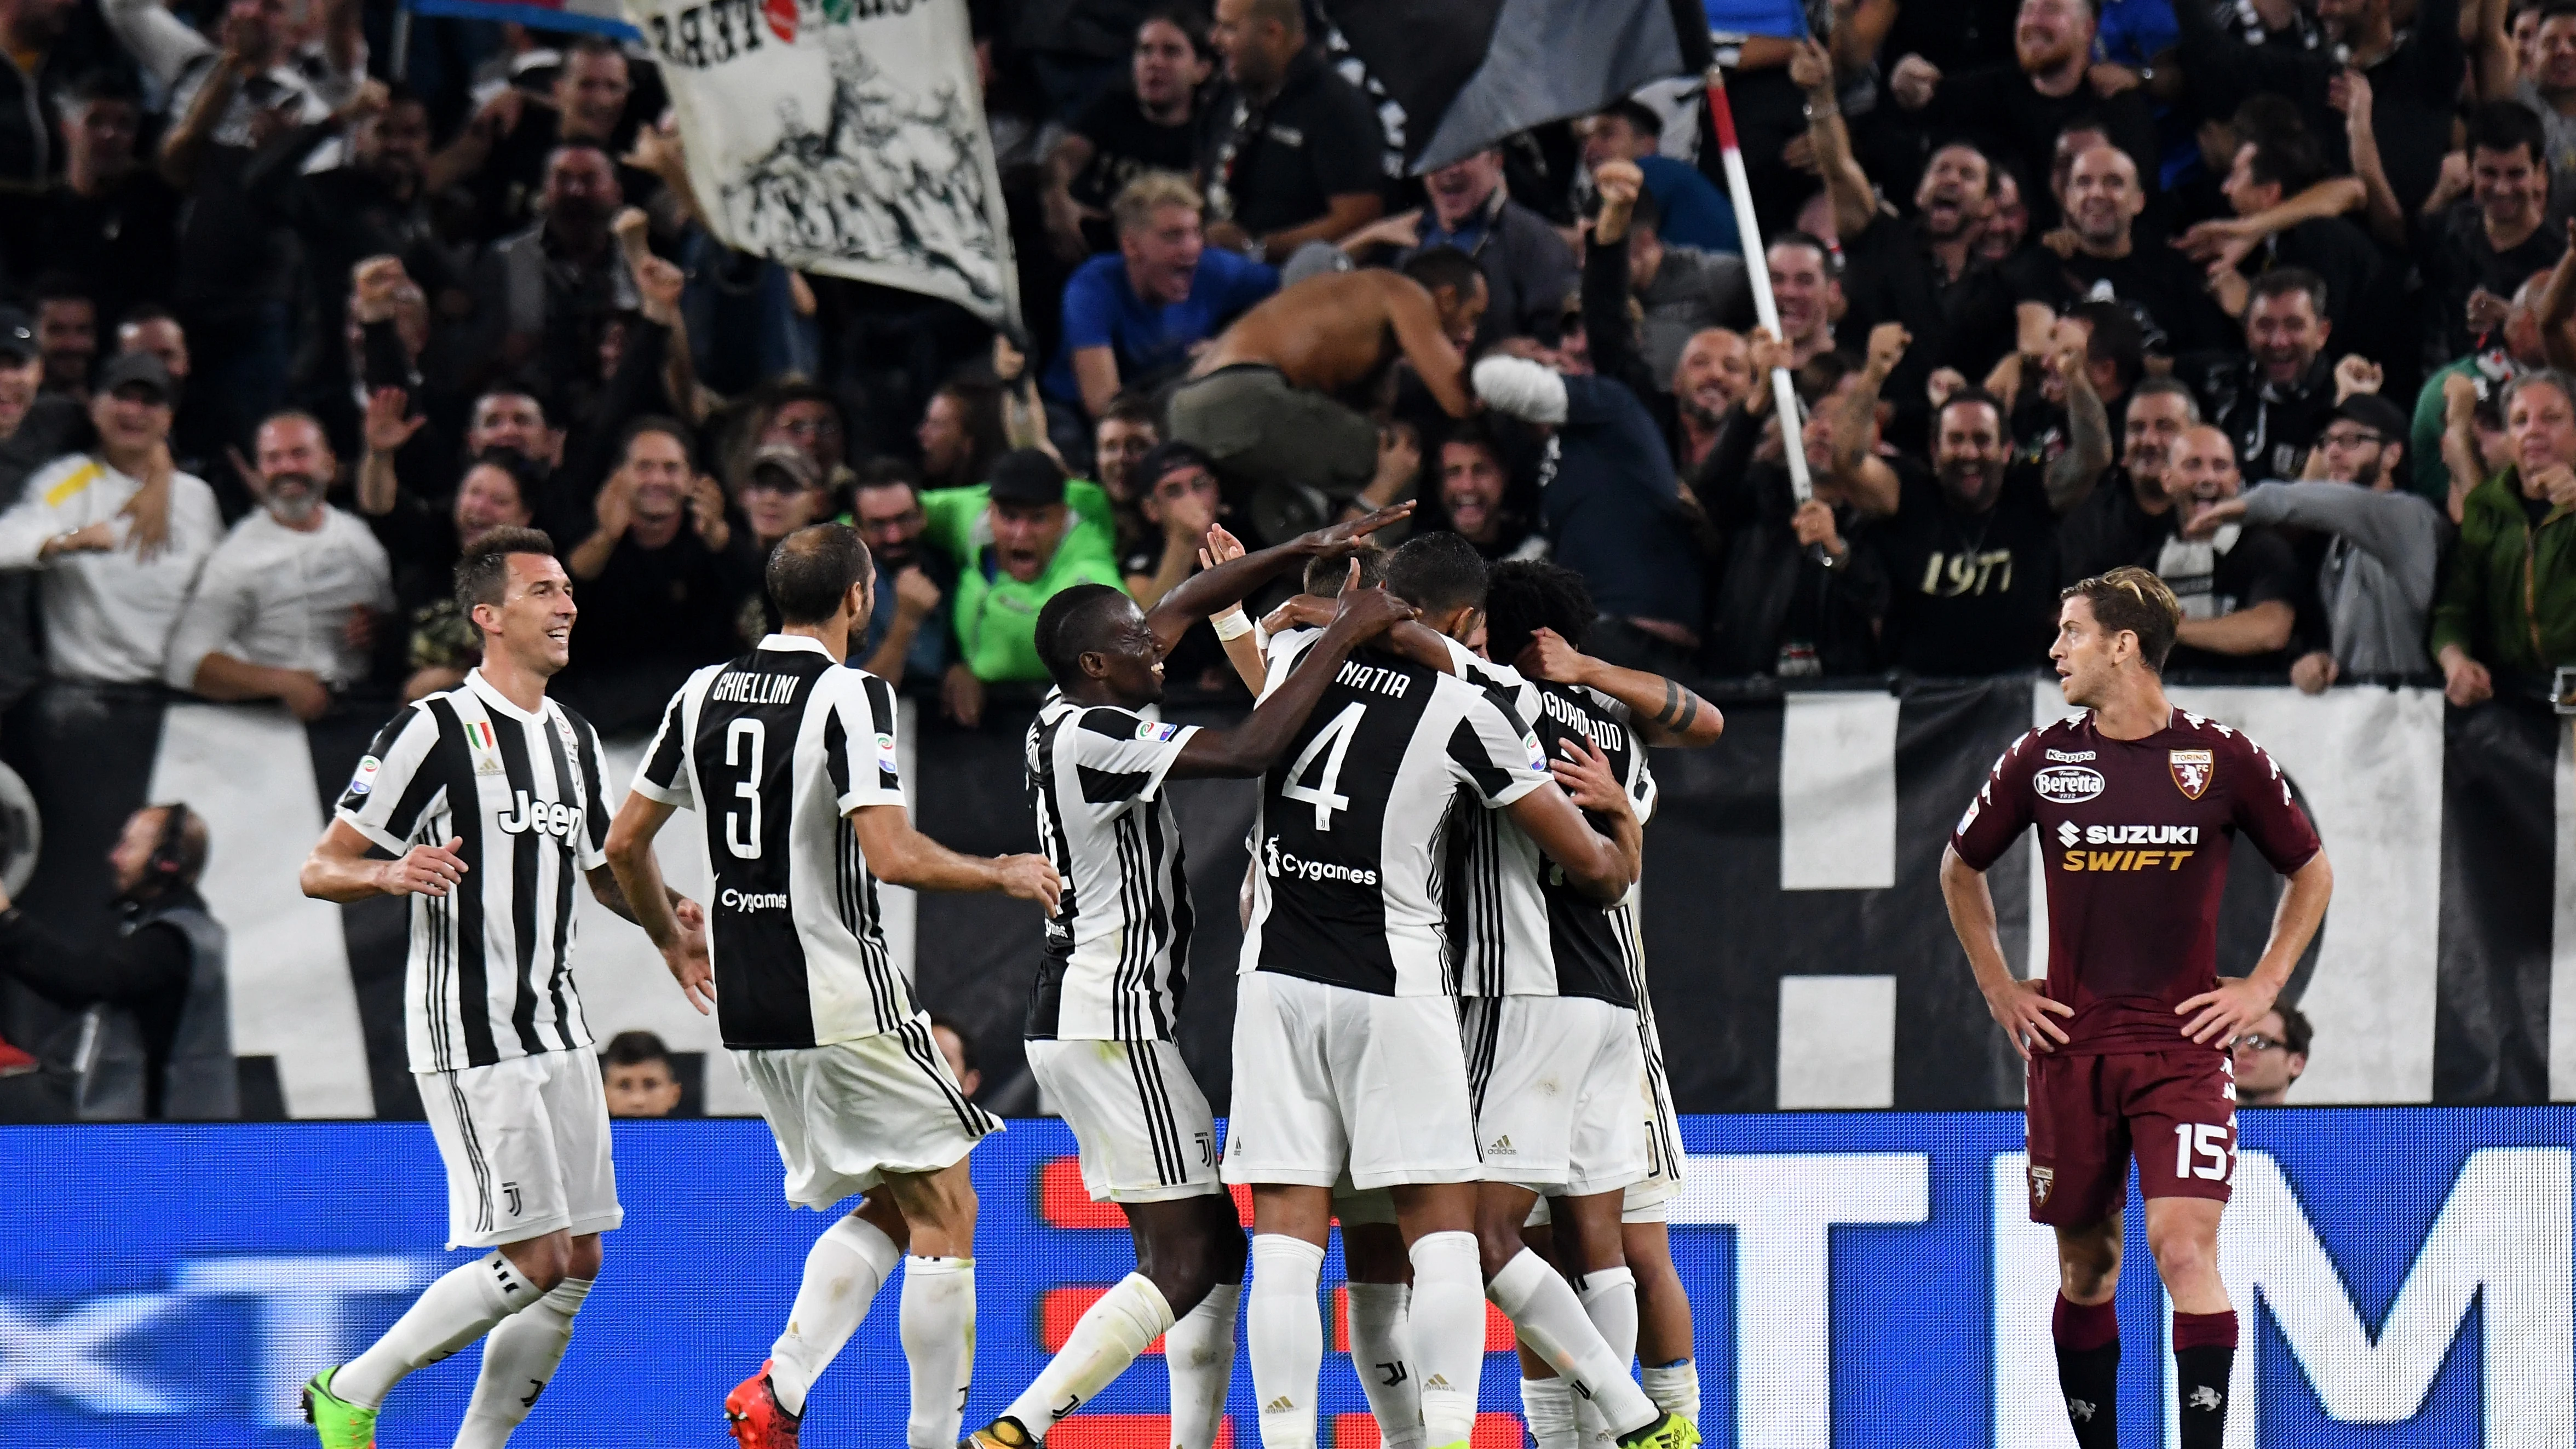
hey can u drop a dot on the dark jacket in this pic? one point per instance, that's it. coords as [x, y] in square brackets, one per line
[1775, 599]
[1528, 270]
[2511, 598]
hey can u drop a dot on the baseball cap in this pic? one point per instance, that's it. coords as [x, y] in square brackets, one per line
[787, 460]
[1027, 476]
[2375, 413]
[17, 335]
[135, 367]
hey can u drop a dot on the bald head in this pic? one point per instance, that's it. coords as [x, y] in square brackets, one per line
[812, 572]
[2102, 198]
[2201, 469]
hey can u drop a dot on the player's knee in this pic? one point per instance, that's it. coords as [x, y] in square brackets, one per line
[2088, 1263]
[582, 1260]
[2182, 1253]
[544, 1262]
[1498, 1241]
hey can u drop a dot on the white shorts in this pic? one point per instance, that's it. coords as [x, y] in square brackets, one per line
[847, 1114]
[1649, 1200]
[1143, 1126]
[1335, 1085]
[526, 1147]
[1557, 1082]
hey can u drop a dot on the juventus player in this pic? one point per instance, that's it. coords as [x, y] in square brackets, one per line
[1109, 989]
[1539, 615]
[1346, 1050]
[789, 759]
[488, 796]
[2127, 1036]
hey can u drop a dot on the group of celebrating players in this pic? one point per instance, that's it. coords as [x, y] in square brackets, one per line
[1442, 1035]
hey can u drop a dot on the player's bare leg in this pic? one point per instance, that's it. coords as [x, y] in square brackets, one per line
[1189, 1274]
[2086, 1328]
[2183, 1234]
[1381, 1291]
[1550, 1318]
[470, 1301]
[1667, 1355]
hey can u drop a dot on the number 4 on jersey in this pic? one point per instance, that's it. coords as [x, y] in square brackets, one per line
[1321, 794]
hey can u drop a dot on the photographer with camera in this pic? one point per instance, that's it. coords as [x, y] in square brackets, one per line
[152, 1036]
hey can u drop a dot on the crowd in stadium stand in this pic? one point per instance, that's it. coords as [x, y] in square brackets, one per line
[2270, 296]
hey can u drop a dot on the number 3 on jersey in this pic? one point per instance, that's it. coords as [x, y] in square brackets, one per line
[742, 827]
[1333, 742]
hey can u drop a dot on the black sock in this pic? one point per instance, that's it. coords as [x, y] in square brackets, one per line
[2090, 1379]
[2200, 1386]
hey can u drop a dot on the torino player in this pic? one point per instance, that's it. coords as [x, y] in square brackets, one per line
[2136, 802]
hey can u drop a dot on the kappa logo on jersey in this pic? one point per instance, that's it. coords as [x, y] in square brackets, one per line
[365, 780]
[1153, 733]
[2067, 784]
[544, 817]
[2192, 771]
[2069, 757]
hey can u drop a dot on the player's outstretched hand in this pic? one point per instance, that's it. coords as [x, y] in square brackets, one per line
[1342, 539]
[688, 958]
[1366, 613]
[2227, 1013]
[428, 870]
[1584, 774]
[1031, 878]
[2022, 1010]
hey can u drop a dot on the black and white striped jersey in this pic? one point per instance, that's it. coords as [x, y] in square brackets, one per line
[1350, 844]
[1118, 948]
[489, 975]
[774, 750]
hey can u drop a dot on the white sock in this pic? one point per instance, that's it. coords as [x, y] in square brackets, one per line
[519, 1358]
[1675, 1389]
[1446, 1321]
[1199, 1354]
[1118, 1326]
[1382, 1349]
[1287, 1338]
[1547, 1406]
[459, 1308]
[1551, 1321]
[1610, 1301]
[939, 1340]
[843, 1271]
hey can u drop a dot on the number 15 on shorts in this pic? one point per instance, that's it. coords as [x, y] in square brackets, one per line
[2201, 1150]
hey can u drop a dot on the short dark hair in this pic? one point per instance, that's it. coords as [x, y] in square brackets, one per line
[2289, 162]
[671, 428]
[1325, 577]
[1523, 596]
[60, 287]
[146, 312]
[1131, 406]
[1434, 571]
[1438, 267]
[103, 83]
[1636, 113]
[592, 44]
[2296, 1030]
[1974, 396]
[2168, 387]
[523, 472]
[2134, 600]
[1473, 431]
[483, 574]
[1833, 262]
[1069, 627]
[579, 143]
[1190, 23]
[511, 387]
[1169, 455]
[634, 1049]
[886, 473]
[2115, 338]
[2285, 281]
[810, 569]
[2507, 126]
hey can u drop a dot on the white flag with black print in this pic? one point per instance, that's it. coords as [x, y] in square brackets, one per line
[844, 137]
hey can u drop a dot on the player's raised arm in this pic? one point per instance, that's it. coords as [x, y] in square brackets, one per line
[900, 855]
[2021, 1007]
[1663, 711]
[1230, 582]
[1256, 744]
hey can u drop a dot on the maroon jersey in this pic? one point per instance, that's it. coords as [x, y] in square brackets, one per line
[2136, 836]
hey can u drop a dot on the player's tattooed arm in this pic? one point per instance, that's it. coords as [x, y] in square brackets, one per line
[1663, 711]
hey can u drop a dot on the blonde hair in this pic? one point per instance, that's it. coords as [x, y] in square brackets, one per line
[2135, 600]
[1150, 192]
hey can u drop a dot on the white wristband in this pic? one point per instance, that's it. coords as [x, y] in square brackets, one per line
[1230, 625]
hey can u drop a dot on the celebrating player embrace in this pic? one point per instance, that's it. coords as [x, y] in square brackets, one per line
[2136, 803]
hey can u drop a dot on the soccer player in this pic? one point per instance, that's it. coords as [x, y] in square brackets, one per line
[789, 759]
[1347, 1058]
[2136, 803]
[1117, 956]
[488, 796]
[1539, 615]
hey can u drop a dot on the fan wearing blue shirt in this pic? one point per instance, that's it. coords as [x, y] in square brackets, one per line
[1695, 213]
[1132, 318]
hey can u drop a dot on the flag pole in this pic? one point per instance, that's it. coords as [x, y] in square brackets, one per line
[1757, 270]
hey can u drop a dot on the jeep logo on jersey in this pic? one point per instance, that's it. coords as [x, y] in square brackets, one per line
[2066, 784]
[545, 817]
[2192, 771]
[734, 900]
